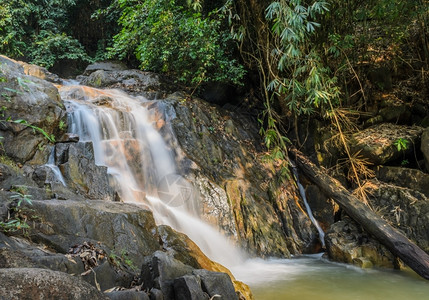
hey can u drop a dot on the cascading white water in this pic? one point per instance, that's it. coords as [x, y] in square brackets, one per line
[55, 170]
[307, 206]
[127, 142]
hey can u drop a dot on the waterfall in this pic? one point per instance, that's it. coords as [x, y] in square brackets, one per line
[54, 168]
[128, 142]
[307, 206]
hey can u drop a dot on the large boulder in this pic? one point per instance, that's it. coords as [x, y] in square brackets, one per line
[63, 224]
[40, 72]
[126, 233]
[136, 82]
[405, 177]
[241, 192]
[346, 242]
[425, 147]
[179, 281]
[77, 164]
[109, 65]
[406, 209]
[35, 103]
[32, 283]
[379, 144]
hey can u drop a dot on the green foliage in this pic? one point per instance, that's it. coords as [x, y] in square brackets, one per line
[21, 197]
[18, 220]
[302, 81]
[62, 125]
[401, 144]
[50, 47]
[118, 260]
[167, 36]
[8, 93]
[36, 31]
[50, 137]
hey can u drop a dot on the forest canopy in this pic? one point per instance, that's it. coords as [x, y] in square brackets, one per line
[297, 57]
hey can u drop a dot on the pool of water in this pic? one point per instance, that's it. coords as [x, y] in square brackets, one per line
[312, 277]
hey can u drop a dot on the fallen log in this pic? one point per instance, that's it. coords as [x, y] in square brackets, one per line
[392, 239]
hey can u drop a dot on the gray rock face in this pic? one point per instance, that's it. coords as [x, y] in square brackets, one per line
[405, 177]
[377, 144]
[77, 164]
[221, 153]
[216, 283]
[28, 283]
[347, 243]
[425, 147]
[31, 99]
[188, 288]
[135, 82]
[127, 295]
[66, 223]
[105, 66]
[406, 209]
[179, 281]
[159, 271]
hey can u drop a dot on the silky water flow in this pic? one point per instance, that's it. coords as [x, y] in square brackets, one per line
[126, 139]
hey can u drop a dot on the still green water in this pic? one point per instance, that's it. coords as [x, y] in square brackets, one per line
[311, 277]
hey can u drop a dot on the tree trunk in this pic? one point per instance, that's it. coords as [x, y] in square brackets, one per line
[396, 242]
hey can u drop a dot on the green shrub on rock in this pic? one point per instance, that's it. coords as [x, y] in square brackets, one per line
[170, 37]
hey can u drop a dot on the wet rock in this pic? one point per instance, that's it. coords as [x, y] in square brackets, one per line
[362, 262]
[53, 185]
[377, 144]
[135, 82]
[405, 177]
[220, 152]
[21, 93]
[169, 275]
[215, 283]
[31, 283]
[425, 146]
[127, 295]
[159, 271]
[347, 243]
[77, 164]
[406, 209]
[66, 223]
[105, 66]
[69, 138]
[188, 288]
